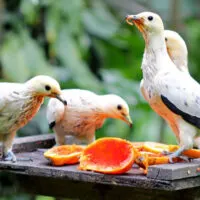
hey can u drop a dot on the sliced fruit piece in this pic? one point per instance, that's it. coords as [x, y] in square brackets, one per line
[192, 153]
[108, 155]
[64, 154]
[156, 147]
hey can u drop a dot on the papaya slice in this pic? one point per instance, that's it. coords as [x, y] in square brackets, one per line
[145, 159]
[192, 153]
[159, 148]
[156, 147]
[138, 145]
[108, 155]
[64, 154]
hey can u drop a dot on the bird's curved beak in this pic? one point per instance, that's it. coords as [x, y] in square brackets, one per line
[137, 20]
[128, 120]
[61, 99]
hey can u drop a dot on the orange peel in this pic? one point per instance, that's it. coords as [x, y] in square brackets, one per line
[108, 155]
[64, 154]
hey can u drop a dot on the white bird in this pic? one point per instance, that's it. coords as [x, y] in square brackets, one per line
[177, 51]
[18, 105]
[84, 114]
[174, 95]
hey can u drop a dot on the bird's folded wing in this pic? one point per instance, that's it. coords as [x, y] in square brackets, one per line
[55, 111]
[6, 90]
[181, 94]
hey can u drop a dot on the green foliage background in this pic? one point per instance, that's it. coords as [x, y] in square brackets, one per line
[86, 44]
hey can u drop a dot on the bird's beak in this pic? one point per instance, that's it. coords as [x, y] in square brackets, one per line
[137, 20]
[128, 120]
[61, 99]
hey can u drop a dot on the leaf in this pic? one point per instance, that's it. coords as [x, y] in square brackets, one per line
[68, 52]
[13, 60]
[34, 56]
[117, 84]
[52, 24]
[22, 58]
[99, 21]
[30, 10]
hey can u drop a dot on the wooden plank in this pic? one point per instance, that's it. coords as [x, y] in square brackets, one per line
[90, 191]
[174, 171]
[171, 177]
[32, 143]
[134, 178]
[41, 167]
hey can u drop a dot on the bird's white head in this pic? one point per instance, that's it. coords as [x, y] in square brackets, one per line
[149, 24]
[176, 49]
[45, 86]
[116, 107]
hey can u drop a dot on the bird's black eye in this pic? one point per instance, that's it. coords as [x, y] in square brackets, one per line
[119, 107]
[47, 87]
[165, 39]
[150, 18]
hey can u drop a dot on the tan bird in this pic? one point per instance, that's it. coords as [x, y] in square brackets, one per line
[172, 94]
[18, 105]
[84, 114]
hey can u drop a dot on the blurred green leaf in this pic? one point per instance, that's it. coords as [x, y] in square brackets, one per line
[30, 10]
[99, 21]
[13, 60]
[68, 52]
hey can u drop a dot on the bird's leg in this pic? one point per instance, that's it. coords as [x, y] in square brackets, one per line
[60, 139]
[90, 138]
[85, 139]
[8, 155]
[197, 142]
[186, 137]
[178, 153]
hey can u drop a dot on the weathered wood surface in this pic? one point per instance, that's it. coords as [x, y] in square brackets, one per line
[170, 177]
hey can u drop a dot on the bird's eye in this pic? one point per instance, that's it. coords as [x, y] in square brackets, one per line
[150, 18]
[165, 39]
[119, 107]
[47, 87]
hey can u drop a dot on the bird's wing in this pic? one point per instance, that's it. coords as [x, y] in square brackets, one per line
[142, 89]
[55, 112]
[80, 99]
[181, 94]
[8, 91]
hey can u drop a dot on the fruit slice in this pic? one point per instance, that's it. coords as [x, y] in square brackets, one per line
[64, 154]
[192, 153]
[156, 147]
[108, 155]
[145, 159]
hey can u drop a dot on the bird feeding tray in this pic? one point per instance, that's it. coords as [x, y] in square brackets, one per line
[168, 177]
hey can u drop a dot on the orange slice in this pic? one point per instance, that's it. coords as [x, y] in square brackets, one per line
[108, 155]
[64, 154]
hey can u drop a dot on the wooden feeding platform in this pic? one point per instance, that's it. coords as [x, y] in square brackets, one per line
[174, 181]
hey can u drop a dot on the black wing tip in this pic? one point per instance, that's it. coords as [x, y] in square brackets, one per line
[187, 117]
[52, 124]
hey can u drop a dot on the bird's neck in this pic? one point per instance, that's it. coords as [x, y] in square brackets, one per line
[155, 56]
[105, 106]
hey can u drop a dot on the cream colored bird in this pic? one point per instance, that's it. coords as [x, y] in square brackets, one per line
[174, 95]
[18, 105]
[177, 51]
[84, 114]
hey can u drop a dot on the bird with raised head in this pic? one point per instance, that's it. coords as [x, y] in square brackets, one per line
[173, 95]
